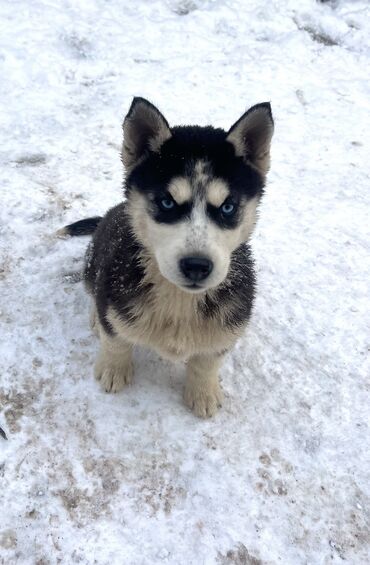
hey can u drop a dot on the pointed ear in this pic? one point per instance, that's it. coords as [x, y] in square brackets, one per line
[144, 130]
[251, 136]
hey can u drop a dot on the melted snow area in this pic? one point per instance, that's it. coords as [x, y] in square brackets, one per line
[281, 474]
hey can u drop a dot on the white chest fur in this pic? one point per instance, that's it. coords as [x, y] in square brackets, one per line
[168, 320]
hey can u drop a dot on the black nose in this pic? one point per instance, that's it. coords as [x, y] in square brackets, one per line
[196, 268]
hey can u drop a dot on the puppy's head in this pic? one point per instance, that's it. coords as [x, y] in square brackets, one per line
[193, 191]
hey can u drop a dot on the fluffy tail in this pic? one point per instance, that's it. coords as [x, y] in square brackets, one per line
[82, 227]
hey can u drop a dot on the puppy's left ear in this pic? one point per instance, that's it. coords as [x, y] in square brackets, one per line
[145, 129]
[251, 136]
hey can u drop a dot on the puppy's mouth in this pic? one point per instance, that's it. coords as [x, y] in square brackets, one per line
[194, 288]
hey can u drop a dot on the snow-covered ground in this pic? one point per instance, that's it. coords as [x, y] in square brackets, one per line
[282, 473]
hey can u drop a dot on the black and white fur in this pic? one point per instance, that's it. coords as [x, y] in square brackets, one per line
[170, 268]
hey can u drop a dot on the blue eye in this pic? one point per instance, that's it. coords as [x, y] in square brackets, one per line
[227, 209]
[167, 204]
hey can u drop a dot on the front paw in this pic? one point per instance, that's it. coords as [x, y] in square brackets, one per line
[113, 377]
[203, 399]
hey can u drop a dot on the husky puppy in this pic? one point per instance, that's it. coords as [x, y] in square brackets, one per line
[170, 268]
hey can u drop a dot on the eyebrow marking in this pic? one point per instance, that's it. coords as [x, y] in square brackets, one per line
[217, 192]
[180, 190]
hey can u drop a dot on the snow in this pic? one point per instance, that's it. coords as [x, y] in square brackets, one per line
[281, 474]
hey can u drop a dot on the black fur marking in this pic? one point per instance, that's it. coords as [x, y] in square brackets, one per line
[83, 227]
[179, 154]
[232, 301]
[223, 220]
[113, 269]
[175, 214]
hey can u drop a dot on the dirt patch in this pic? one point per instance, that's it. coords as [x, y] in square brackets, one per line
[238, 556]
[5, 267]
[15, 406]
[110, 472]
[159, 486]
[104, 477]
[82, 506]
[272, 475]
[316, 35]
[31, 160]
[184, 7]
[8, 539]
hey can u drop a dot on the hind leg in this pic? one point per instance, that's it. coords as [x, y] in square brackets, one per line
[113, 367]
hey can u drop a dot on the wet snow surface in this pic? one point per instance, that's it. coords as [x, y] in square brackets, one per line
[281, 474]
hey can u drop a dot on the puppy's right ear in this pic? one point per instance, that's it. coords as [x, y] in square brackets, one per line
[144, 131]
